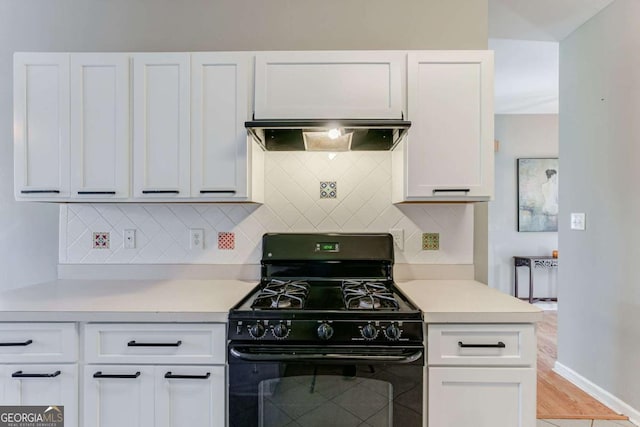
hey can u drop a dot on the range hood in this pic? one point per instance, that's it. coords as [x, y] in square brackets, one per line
[327, 135]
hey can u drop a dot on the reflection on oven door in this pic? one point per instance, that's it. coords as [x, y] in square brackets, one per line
[325, 400]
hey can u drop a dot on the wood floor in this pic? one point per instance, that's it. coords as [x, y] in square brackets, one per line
[557, 397]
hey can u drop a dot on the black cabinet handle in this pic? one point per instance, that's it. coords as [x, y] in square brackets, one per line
[499, 345]
[39, 191]
[187, 377]
[20, 374]
[133, 343]
[217, 191]
[99, 374]
[96, 192]
[16, 344]
[160, 192]
[451, 190]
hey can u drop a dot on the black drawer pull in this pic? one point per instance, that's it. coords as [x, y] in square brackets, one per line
[99, 374]
[16, 344]
[499, 345]
[96, 192]
[20, 374]
[451, 190]
[133, 343]
[39, 191]
[160, 192]
[217, 191]
[187, 377]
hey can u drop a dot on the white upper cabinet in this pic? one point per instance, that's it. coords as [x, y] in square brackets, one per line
[100, 125]
[219, 107]
[329, 85]
[448, 154]
[41, 125]
[161, 125]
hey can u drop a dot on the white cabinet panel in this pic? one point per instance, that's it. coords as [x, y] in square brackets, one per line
[38, 342]
[191, 397]
[100, 125]
[329, 85]
[219, 108]
[42, 385]
[482, 397]
[161, 122]
[118, 396]
[449, 148]
[41, 125]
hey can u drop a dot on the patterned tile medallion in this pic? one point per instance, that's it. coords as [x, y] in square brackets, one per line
[101, 240]
[430, 241]
[226, 241]
[328, 189]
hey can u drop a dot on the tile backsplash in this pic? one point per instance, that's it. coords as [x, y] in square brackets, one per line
[232, 232]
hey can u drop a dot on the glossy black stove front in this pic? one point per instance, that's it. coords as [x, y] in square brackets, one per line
[341, 392]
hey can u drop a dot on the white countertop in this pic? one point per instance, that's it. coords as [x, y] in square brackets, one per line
[467, 301]
[124, 300]
[442, 301]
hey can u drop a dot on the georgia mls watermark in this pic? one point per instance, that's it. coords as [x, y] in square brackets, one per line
[31, 416]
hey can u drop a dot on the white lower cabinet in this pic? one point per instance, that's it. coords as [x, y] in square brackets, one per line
[160, 396]
[481, 375]
[482, 397]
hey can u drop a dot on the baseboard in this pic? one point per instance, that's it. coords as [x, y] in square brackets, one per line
[597, 392]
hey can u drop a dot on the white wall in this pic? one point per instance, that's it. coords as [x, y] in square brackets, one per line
[28, 232]
[599, 316]
[520, 136]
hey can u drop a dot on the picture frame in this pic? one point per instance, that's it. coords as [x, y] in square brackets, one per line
[538, 194]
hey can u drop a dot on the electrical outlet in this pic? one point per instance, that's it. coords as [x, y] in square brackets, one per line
[578, 221]
[430, 241]
[129, 239]
[196, 236]
[398, 237]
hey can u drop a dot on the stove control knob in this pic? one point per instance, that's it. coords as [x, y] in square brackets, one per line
[325, 331]
[392, 332]
[369, 332]
[280, 330]
[257, 330]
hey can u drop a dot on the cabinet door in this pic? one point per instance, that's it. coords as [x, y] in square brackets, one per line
[482, 397]
[40, 385]
[99, 125]
[118, 396]
[41, 125]
[219, 108]
[329, 85]
[161, 122]
[449, 151]
[188, 396]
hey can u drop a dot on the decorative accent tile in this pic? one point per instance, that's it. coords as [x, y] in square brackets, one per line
[430, 241]
[328, 189]
[101, 240]
[226, 241]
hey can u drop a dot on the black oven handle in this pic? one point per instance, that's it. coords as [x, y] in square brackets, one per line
[334, 357]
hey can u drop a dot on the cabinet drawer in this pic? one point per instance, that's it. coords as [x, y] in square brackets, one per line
[481, 345]
[155, 343]
[38, 342]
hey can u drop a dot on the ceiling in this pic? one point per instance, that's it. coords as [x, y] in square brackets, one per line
[525, 36]
[542, 20]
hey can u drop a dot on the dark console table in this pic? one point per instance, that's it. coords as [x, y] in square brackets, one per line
[532, 262]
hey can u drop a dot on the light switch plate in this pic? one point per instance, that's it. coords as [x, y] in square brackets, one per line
[578, 221]
[129, 239]
[398, 237]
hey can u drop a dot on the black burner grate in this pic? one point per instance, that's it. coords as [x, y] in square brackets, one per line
[365, 295]
[281, 294]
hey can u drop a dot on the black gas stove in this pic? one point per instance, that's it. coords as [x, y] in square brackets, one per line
[330, 288]
[326, 338]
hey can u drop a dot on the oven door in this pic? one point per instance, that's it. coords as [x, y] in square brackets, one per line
[279, 386]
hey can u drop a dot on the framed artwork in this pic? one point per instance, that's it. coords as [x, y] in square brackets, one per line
[538, 194]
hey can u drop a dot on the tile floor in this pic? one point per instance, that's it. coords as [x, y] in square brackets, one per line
[584, 423]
